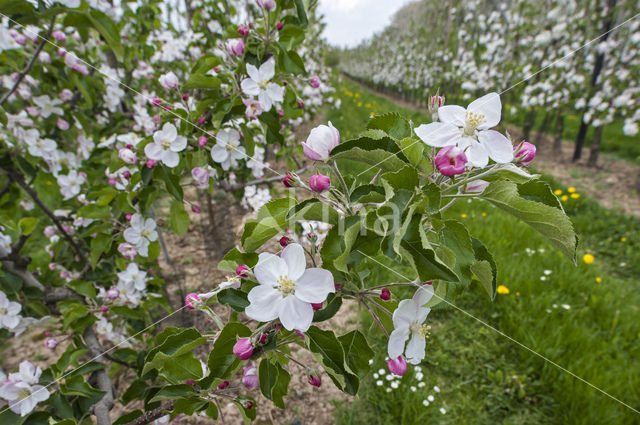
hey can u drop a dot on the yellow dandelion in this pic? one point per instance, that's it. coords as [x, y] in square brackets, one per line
[558, 192]
[588, 258]
[564, 198]
[359, 104]
[575, 195]
[503, 290]
[484, 214]
[517, 294]
[368, 105]
[571, 189]
[623, 239]
[463, 215]
[598, 279]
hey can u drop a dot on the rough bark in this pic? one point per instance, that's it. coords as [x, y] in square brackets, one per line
[595, 147]
[557, 141]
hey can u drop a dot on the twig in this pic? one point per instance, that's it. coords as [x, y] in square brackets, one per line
[375, 317]
[237, 186]
[30, 64]
[152, 415]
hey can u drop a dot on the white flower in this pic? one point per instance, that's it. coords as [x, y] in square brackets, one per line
[443, 410]
[128, 292]
[5, 245]
[69, 3]
[258, 84]
[436, 389]
[169, 80]
[48, 106]
[166, 145]
[21, 391]
[431, 398]
[287, 290]
[469, 130]
[41, 147]
[134, 275]
[141, 233]
[9, 312]
[321, 142]
[408, 322]
[227, 150]
[379, 383]
[70, 184]
[425, 403]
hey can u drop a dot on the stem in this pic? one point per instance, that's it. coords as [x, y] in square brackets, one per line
[292, 359]
[375, 317]
[453, 201]
[390, 284]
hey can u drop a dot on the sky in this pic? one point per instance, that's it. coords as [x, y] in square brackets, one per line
[351, 21]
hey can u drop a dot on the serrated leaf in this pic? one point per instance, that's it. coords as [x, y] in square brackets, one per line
[179, 219]
[391, 123]
[201, 81]
[313, 209]
[379, 154]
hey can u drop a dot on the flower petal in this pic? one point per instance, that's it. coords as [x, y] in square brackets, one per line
[397, 341]
[170, 159]
[219, 153]
[293, 255]
[488, 105]
[295, 314]
[169, 131]
[269, 268]
[253, 73]
[179, 144]
[423, 295]
[476, 154]
[497, 146]
[153, 151]
[276, 92]
[438, 134]
[415, 349]
[452, 114]
[314, 285]
[267, 70]
[264, 303]
[404, 314]
[250, 87]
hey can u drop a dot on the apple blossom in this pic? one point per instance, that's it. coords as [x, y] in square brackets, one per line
[135, 275]
[5, 244]
[243, 30]
[40, 147]
[70, 183]
[321, 142]
[254, 108]
[22, 396]
[227, 150]
[192, 300]
[397, 366]
[200, 178]
[9, 312]
[169, 80]
[451, 161]
[288, 180]
[113, 293]
[408, 321]
[258, 84]
[385, 294]
[469, 129]
[128, 156]
[315, 380]
[286, 290]
[243, 348]
[166, 145]
[62, 124]
[250, 377]
[242, 270]
[525, 152]
[48, 106]
[314, 81]
[59, 36]
[269, 5]
[279, 26]
[319, 183]
[235, 46]
[51, 343]
[141, 233]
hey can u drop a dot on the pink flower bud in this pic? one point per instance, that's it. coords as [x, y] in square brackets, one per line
[243, 30]
[385, 294]
[202, 140]
[269, 5]
[189, 381]
[59, 36]
[33, 111]
[62, 51]
[66, 95]
[300, 104]
[284, 241]
[288, 180]
[315, 81]
[185, 96]
[247, 404]
[223, 385]
[127, 250]
[126, 175]
[62, 124]
[316, 306]
[200, 120]
[397, 366]
[156, 101]
[169, 81]
[235, 46]
[128, 216]
[243, 349]
[21, 39]
[52, 266]
[47, 333]
[320, 142]
[113, 293]
[156, 119]
[195, 208]
[44, 57]
[280, 113]
[336, 286]
[319, 183]
[250, 377]
[263, 338]
[64, 274]
[451, 160]
[192, 301]
[104, 308]
[525, 153]
[151, 163]
[315, 380]
[200, 177]
[279, 26]
[128, 156]
[242, 270]
[51, 343]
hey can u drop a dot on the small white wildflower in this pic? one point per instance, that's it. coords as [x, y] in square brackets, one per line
[443, 411]
[381, 371]
[370, 361]
[554, 305]
[417, 369]
[421, 385]
[389, 377]
[431, 398]
[425, 403]
[376, 376]
[543, 278]
[412, 388]
[419, 376]
[388, 390]
[379, 383]
[436, 389]
[565, 306]
[547, 272]
[548, 311]
[395, 385]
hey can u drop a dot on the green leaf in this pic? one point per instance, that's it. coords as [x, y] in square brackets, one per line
[482, 254]
[333, 305]
[417, 154]
[550, 221]
[291, 62]
[171, 181]
[234, 258]
[379, 154]
[76, 385]
[482, 271]
[391, 123]
[108, 30]
[512, 172]
[274, 381]
[234, 298]
[201, 81]
[172, 392]
[302, 13]
[179, 219]
[367, 193]
[271, 220]
[27, 225]
[330, 352]
[357, 352]
[222, 362]
[339, 242]
[173, 346]
[313, 209]
[3, 116]
[100, 245]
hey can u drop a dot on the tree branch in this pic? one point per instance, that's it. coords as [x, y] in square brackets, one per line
[101, 408]
[152, 415]
[237, 186]
[31, 62]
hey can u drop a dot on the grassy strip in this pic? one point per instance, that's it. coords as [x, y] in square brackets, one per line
[580, 317]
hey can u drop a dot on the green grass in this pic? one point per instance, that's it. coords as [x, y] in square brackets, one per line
[484, 377]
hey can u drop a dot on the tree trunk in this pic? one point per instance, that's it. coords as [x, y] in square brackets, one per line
[582, 133]
[557, 141]
[542, 130]
[528, 124]
[595, 147]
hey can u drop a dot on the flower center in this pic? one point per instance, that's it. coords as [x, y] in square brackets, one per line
[24, 393]
[3, 311]
[286, 285]
[145, 233]
[166, 145]
[471, 122]
[263, 84]
[423, 330]
[230, 147]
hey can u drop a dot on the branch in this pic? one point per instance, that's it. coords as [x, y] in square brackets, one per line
[17, 178]
[231, 187]
[27, 277]
[152, 415]
[101, 408]
[5, 188]
[30, 64]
